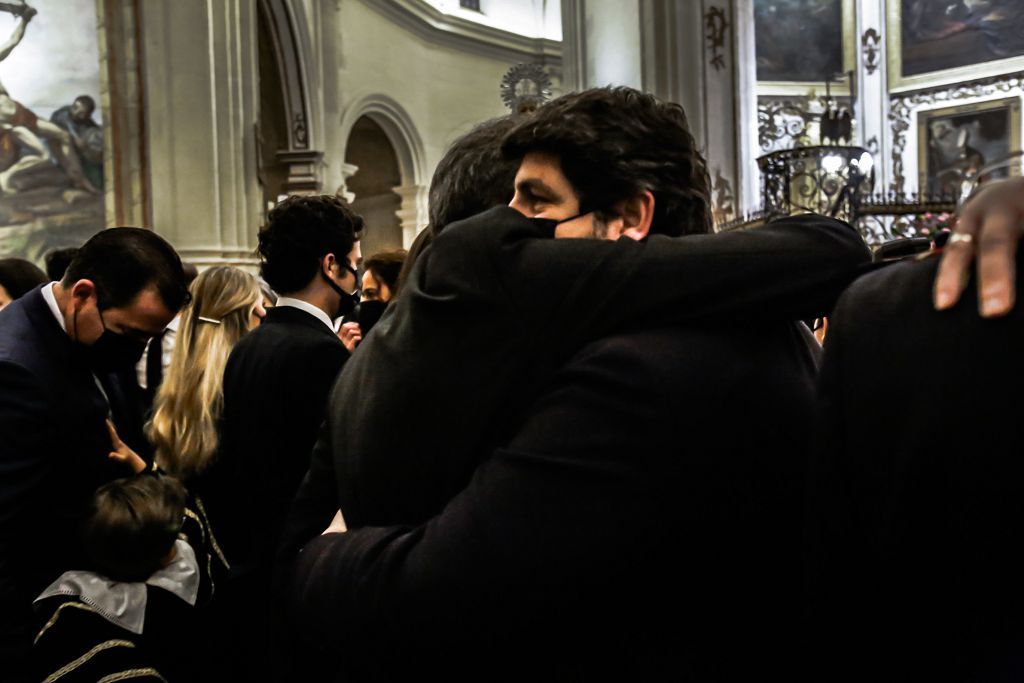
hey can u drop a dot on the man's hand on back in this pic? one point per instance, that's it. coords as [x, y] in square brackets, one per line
[989, 229]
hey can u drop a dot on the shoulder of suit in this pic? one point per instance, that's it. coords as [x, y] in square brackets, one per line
[906, 284]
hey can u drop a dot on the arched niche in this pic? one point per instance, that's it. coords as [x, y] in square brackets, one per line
[289, 162]
[373, 185]
[407, 146]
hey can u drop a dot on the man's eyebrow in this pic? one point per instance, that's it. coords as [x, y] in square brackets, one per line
[535, 185]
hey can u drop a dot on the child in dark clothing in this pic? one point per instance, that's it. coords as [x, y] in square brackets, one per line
[133, 613]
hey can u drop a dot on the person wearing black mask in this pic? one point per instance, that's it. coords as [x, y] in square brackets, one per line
[275, 390]
[379, 287]
[63, 347]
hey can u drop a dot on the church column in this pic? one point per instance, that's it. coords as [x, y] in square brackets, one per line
[202, 109]
[872, 87]
[412, 212]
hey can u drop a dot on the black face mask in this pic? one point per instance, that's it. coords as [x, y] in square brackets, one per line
[112, 351]
[348, 301]
[368, 313]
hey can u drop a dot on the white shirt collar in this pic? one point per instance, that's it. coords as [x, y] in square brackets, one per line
[124, 604]
[51, 301]
[314, 311]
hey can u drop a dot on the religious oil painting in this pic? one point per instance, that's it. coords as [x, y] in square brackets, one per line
[958, 144]
[945, 41]
[802, 41]
[51, 127]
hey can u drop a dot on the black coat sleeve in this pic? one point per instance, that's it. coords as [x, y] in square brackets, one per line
[580, 289]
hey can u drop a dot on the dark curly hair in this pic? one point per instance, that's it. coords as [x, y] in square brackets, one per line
[615, 142]
[300, 231]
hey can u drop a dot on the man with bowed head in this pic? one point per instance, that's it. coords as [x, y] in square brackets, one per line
[62, 347]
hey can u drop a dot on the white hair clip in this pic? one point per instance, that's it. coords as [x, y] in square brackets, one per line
[208, 320]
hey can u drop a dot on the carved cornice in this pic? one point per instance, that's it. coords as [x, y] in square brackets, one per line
[430, 24]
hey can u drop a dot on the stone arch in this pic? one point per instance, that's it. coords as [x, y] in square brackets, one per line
[408, 147]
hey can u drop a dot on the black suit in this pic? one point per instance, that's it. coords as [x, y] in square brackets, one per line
[643, 524]
[494, 307]
[53, 455]
[917, 507]
[275, 389]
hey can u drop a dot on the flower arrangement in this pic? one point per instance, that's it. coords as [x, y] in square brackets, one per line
[930, 224]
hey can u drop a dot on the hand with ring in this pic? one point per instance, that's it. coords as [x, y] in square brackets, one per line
[985, 237]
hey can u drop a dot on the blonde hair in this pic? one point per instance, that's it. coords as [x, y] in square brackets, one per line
[190, 401]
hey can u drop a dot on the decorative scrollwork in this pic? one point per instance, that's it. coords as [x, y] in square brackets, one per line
[782, 124]
[724, 200]
[869, 43]
[715, 26]
[299, 130]
[826, 179]
[903, 107]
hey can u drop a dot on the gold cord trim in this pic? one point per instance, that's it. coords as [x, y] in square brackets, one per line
[68, 668]
[133, 673]
[209, 530]
[56, 615]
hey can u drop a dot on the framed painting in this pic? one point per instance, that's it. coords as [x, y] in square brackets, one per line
[939, 42]
[51, 128]
[796, 47]
[955, 141]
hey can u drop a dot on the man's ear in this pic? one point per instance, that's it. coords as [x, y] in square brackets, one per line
[636, 215]
[326, 263]
[84, 290]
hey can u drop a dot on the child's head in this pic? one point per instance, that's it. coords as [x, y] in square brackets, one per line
[133, 524]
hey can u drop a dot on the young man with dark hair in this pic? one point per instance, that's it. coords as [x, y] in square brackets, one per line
[275, 389]
[61, 349]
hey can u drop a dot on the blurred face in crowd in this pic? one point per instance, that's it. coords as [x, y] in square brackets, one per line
[5, 297]
[374, 290]
[145, 316]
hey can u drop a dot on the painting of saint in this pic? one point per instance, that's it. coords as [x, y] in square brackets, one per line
[798, 40]
[947, 34]
[51, 145]
[957, 143]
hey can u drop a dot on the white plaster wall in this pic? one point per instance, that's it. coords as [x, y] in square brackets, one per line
[444, 91]
[200, 75]
[613, 39]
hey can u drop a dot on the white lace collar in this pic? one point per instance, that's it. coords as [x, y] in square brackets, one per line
[124, 604]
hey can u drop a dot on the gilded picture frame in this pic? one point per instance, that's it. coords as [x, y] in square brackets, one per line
[966, 137]
[817, 88]
[957, 57]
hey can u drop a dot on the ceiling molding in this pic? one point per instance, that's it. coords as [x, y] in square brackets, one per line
[427, 22]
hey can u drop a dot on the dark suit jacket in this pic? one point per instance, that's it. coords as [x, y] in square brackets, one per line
[53, 455]
[917, 507]
[642, 524]
[275, 389]
[495, 306]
